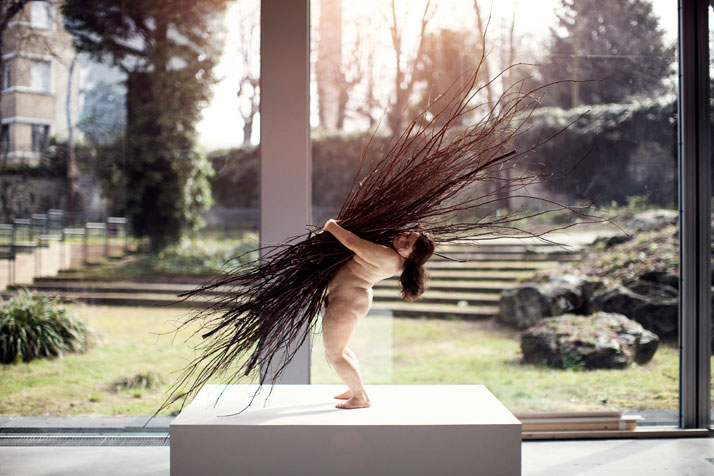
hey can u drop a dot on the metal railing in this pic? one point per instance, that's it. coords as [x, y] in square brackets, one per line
[25, 235]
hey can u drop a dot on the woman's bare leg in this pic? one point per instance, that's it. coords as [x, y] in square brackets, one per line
[338, 325]
[350, 355]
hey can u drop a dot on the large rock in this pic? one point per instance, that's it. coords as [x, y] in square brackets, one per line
[527, 304]
[613, 240]
[652, 220]
[651, 304]
[661, 277]
[599, 341]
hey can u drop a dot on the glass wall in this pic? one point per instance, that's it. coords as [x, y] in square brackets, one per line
[711, 92]
[606, 75]
[123, 182]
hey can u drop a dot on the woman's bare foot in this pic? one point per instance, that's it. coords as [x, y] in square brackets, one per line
[355, 402]
[344, 396]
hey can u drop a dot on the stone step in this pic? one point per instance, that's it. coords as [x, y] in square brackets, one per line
[493, 265]
[112, 287]
[495, 246]
[120, 299]
[398, 308]
[480, 275]
[138, 296]
[455, 285]
[506, 256]
[387, 286]
[443, 311]
[437, 273]
[432, 296]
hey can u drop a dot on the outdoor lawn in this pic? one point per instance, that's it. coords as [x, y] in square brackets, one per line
[397, 351]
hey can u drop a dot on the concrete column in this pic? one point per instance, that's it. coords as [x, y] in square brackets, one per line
[285, 165]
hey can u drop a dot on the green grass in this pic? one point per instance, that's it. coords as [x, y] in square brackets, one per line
[86, 384]
[425, 351]
[396, 351]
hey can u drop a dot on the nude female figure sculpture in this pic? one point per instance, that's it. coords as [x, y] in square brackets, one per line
[350, 296]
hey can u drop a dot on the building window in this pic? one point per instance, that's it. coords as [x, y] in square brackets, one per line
[6, 77]
[5, 139]
[41, 76]
[40, 135]
[41, 15]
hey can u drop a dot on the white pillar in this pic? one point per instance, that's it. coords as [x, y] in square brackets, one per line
[285, 165]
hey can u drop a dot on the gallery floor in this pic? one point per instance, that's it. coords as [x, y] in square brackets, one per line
[676, 457]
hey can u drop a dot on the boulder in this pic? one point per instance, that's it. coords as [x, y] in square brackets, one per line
[527, 304]
[661, 277]
[599, 341]
[610, 241]
[651, 304]
[652, 220]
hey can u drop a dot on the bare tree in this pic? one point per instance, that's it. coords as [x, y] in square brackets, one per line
[249, 51]
[481, 26]
[369, 105]
[404, 79]
[338, 70]
[328, 67]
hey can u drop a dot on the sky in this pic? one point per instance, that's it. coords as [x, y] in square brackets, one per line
[221, 124]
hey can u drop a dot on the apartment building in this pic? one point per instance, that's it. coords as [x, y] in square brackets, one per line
[37, 56]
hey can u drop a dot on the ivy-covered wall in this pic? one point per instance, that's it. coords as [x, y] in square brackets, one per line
[608, 152]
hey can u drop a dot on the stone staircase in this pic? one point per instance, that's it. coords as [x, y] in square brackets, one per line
[466, 289]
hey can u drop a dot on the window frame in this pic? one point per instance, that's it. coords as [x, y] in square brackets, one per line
[49, 9]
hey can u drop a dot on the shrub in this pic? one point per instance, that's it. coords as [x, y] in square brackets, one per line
[197, 255]
[140, 381]
[34, 326]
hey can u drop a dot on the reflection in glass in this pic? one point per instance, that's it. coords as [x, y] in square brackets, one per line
[618, 157]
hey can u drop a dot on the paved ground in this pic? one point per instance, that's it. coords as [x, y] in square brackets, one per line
[118, 446]
[654, 457]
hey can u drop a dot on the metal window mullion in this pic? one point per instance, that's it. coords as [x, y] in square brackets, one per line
[695, 215]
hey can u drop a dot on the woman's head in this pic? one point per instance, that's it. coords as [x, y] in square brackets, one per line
[417, 248]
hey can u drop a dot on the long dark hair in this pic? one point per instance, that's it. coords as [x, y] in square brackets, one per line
[413, 278]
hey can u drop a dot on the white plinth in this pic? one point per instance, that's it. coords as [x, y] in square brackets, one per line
[409, 430]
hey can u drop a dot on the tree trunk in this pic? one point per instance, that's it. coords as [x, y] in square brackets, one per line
[71, 161]
[482, 33]
[328, 69]
[247, 129]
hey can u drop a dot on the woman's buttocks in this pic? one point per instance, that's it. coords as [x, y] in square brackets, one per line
[355, 298]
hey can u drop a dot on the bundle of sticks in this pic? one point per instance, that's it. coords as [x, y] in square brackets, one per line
[428, 179]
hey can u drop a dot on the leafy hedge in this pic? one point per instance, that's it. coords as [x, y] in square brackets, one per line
[34, 326]
[614, 151]
[335, 161]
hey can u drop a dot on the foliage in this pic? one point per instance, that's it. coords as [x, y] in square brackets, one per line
[609, 152]
[656, 250]
[34, 326]
[616, 43]
[197, 256]
[142, 381]
[103, 119]
[235, 183]
[335, 162]
[447, 56]
[190, 256]
[168, 49]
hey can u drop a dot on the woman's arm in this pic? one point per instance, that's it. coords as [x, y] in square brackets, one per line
[365, 249]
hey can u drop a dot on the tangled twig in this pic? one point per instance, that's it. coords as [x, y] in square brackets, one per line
[431, 176]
